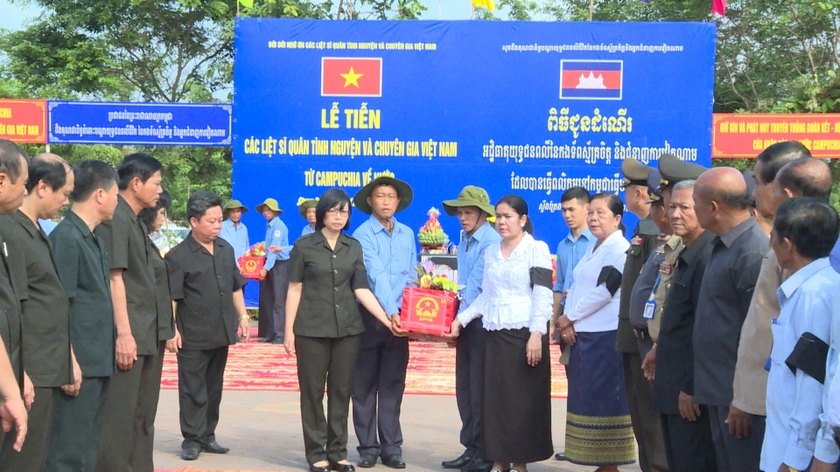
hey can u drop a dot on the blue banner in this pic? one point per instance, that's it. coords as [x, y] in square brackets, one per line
[143, 124]
[528, 108]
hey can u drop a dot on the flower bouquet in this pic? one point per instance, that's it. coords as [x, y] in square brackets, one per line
[430, 307]
[253, 261]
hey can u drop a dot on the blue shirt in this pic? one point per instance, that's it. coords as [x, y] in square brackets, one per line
[46, 226]
[389, 259]
[795, 400]
[471, 261]
[276, 234]
[835, 256]
[569, 253]
[308, 229]
[236, 236]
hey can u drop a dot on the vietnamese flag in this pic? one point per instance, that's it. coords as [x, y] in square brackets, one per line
[351, 77]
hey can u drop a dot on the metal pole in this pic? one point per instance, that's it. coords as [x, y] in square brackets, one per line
[591, 6]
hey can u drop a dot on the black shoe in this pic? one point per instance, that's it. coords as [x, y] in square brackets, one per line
[367, 461]
[342, 467]
[458, 463]
[277, 340]
[215, 448]
[478, 465]
[560, 456]
[395, 461]
[190, 453]
[316, 468]
[266, 339]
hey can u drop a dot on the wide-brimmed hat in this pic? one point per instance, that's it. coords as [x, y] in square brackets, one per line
[470, 196]
[305, 205]
[271, 204]
[404, 192]
[235, 204]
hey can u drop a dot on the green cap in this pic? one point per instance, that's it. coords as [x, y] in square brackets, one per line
[470, 196]
[404, 193]
[269, 203]
[305, 205]
[234, 204]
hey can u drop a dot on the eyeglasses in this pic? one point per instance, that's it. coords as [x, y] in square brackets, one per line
[336, 211]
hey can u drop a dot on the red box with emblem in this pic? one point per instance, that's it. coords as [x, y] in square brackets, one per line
[251, 266]
[428, 311]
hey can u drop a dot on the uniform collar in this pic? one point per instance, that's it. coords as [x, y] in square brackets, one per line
[272, 221]
[74, 219]
[729, 238]
[481, 233]
[586, 234]
[377, 226]
[195, 246]
[673, 241]
[27, 224]
[688, 254]
[318, 238]
[122, 205]
[789, 286]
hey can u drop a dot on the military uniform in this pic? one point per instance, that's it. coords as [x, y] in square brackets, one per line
[673, 247]
[128, 430]
[638, 391]
[77, 421]
[46, 342]
[11, 328]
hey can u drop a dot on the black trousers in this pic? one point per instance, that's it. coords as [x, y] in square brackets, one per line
[689, 444]
[326, 362]
[32, 456]
[733, 454]
[200, 378]
[646, 424]
[275, 286]
[127, 437]
[378, 386]
[77, 421]
[469, 382]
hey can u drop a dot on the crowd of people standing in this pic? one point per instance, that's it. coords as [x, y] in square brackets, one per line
[709, 336]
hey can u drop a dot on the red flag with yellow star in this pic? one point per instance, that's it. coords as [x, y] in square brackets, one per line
[351, 76]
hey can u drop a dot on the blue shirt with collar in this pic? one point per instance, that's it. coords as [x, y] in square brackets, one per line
[471, 261]
[276, 234]
[308, 229]
[569, 253]
[390, 259]
[236, 236]
[46, 225]
[795, 400]
[835, 256]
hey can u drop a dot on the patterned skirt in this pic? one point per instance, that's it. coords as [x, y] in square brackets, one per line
[598, 427]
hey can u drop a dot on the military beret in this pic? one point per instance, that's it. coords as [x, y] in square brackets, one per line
[653, 182]
[674, 170]
[635, 173]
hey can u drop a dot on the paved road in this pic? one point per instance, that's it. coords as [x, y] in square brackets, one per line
[264, 433]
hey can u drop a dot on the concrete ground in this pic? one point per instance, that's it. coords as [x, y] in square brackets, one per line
[263, 431]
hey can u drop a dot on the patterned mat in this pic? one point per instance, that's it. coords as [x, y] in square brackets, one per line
[259, 366]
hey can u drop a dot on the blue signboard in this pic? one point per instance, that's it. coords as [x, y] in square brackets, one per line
[144, 124]
[528, 108]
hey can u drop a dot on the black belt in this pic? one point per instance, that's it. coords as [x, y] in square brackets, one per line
[641, 333]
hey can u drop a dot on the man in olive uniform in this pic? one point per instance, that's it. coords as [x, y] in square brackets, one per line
[670, 172]
[207, 287]
[83, 267]
[45, 310]
[645, 426]
[14, 170]
[128, 430]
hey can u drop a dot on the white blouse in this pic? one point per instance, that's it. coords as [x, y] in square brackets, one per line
[507, 300]
[591, 307]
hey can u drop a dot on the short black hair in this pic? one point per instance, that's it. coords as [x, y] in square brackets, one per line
[812, 225]
[332, 198]
[777, 155]
[90, 176]
[10, 154]
[142, 166]
[149, 215]
[200, 202]
[799, 177]
[578, 193]
[49, 169]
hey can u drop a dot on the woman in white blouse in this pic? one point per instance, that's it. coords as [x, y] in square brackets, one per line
[598, 428]
[515, 306]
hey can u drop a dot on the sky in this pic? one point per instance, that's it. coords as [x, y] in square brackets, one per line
[13, 16]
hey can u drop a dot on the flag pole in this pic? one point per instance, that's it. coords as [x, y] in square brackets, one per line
[591, 6]
[237, 7]
[472, 15]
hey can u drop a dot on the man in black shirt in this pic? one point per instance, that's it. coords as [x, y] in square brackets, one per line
[207, 287]
[83, 267]
[45, 310]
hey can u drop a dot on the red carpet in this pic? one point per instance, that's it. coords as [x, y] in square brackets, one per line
[258, 366]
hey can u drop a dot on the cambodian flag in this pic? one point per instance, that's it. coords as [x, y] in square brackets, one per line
[591, 80]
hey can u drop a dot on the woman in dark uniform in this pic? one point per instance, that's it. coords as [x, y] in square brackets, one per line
[323, 324]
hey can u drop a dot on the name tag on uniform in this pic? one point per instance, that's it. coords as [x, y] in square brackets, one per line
[650, 308]
[636, 241]
[666, 269]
